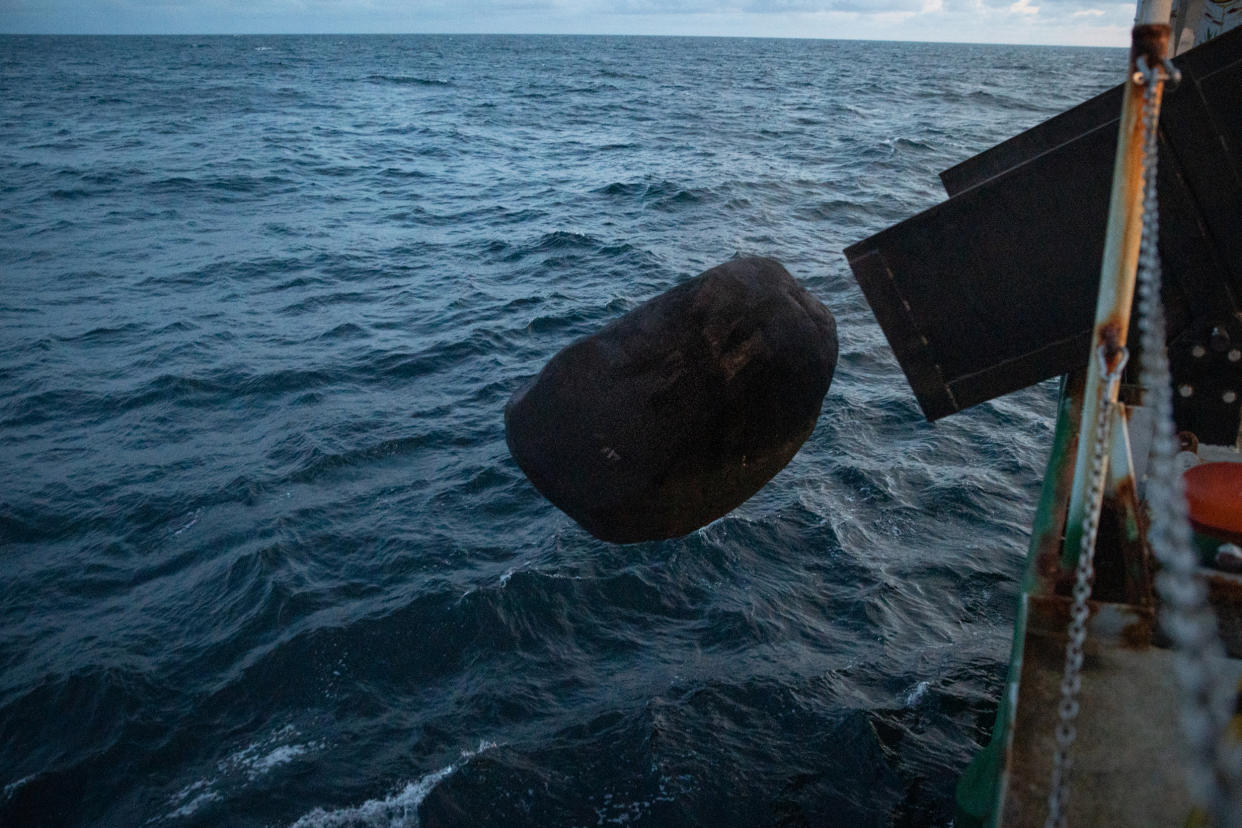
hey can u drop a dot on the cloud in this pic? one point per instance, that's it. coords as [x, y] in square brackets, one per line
[760, 7]
[861, 6]
[1093, 22]
[772, 7]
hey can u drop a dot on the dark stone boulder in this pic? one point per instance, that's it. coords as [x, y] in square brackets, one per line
[677, 412]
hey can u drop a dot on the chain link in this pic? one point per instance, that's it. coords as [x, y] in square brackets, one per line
[1206, 697]
[1186, 616]
[1071, 681]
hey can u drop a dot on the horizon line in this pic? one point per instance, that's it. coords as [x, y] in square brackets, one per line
[555, 34]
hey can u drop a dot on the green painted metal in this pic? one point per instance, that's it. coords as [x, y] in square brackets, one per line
[980, 790]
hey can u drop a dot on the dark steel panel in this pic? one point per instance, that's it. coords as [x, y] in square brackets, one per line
[1211, 157]
[995, 289]
[1091, 114]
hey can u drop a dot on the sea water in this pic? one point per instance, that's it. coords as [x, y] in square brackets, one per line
[265, 557]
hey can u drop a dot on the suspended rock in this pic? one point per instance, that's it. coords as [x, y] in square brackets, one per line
[677, 412]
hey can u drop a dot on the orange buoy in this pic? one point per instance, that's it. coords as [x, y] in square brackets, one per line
[1214, 496]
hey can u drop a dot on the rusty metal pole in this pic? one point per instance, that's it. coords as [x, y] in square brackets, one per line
[1149, 40]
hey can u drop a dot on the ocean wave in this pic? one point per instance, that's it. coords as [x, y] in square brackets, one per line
[321, 301]
[222, 186]
[257, 353]
[661, 194]
[560, 242]
[73, 194]
[42, 406]
[399, 809]
[238, 771]
[308, 463]
[408, 80]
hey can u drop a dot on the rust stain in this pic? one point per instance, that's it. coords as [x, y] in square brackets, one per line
[1050, 614]
[1137, 635]
[1227, 588]
[1225, 596]
[1123, 562]
[1058, 581]
[1150, 41]
[1112, 337]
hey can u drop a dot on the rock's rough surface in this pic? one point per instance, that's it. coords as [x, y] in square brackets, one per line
[679, 411]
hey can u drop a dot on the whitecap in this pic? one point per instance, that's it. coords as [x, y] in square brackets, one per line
[916, 694]
[397, 811]
[188, 800]
[14, 787]
[188, 521]
[282, 755]
[194, 804]
[239, 770]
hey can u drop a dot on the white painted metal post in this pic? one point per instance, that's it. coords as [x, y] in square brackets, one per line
[1150, 39]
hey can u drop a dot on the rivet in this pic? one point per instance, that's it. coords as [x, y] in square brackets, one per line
[1229, 557]
[1198, 352]
[1186, 390]
[1229, 397]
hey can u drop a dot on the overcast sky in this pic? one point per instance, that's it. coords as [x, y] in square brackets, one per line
[1081, 22]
